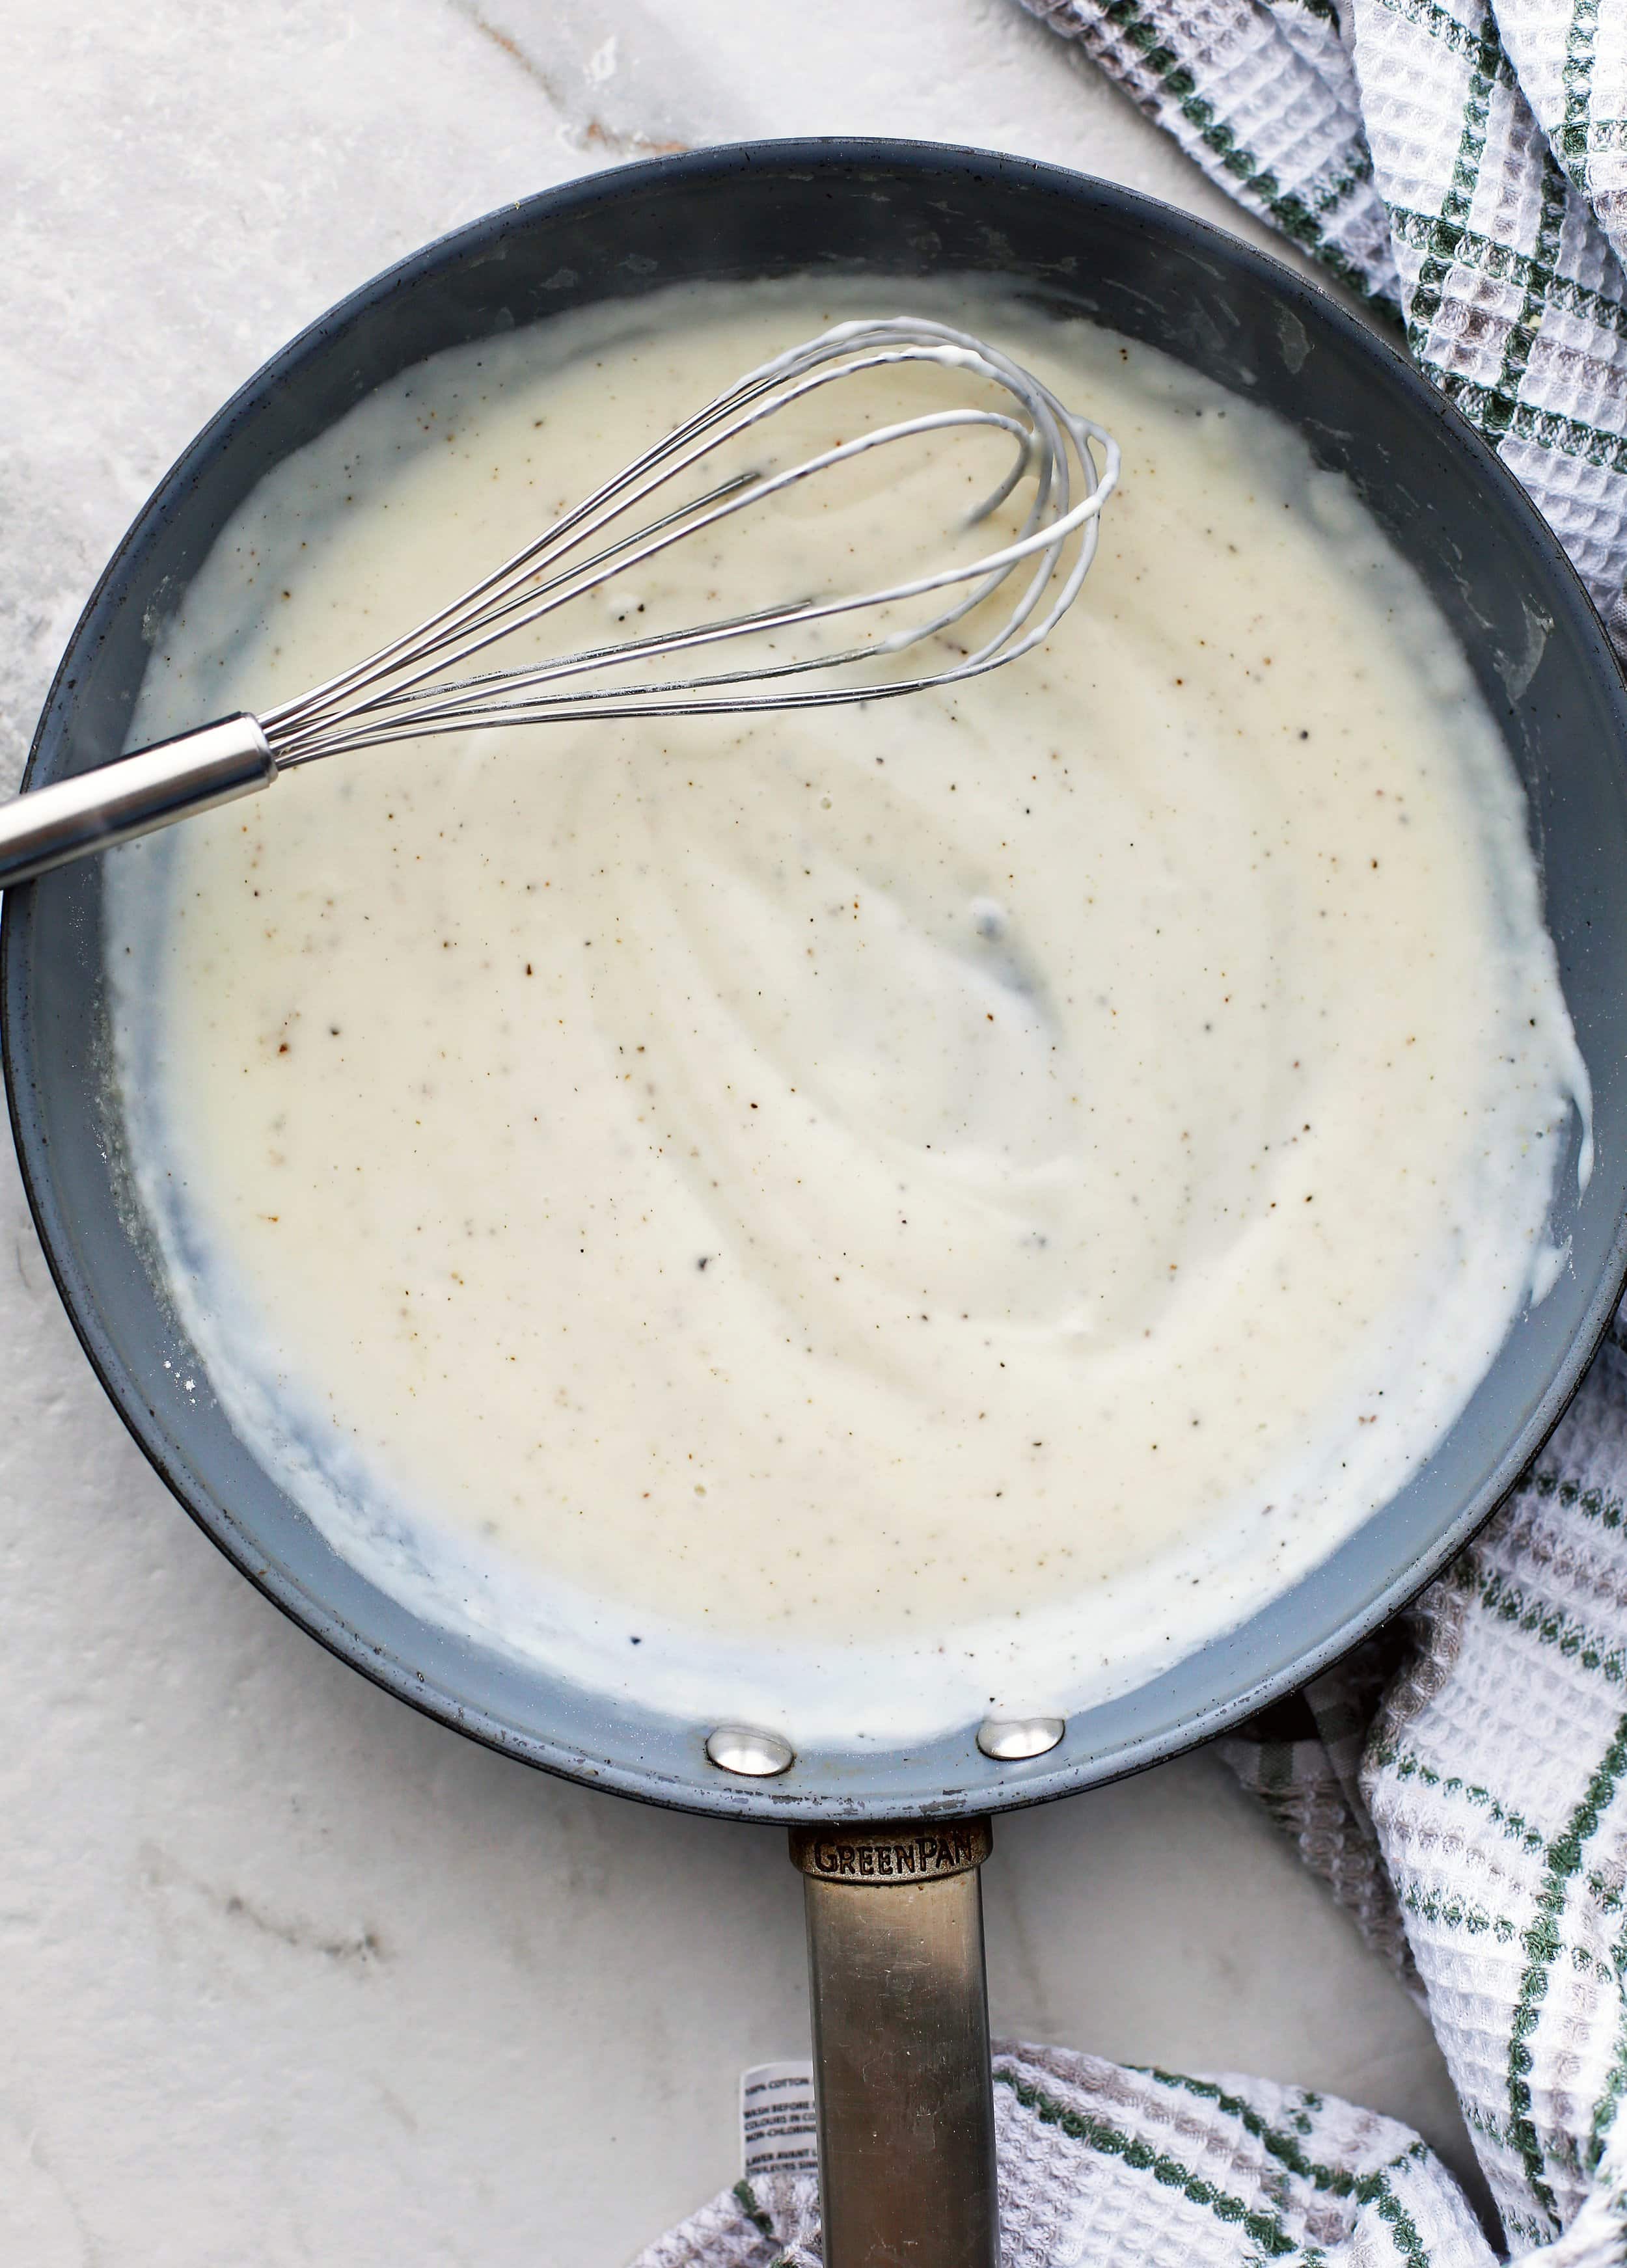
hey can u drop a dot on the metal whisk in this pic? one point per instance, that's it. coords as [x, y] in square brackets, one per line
[412, 688]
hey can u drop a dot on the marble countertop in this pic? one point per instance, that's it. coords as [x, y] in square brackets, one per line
[292, 1975]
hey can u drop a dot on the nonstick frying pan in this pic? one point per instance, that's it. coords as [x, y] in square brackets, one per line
[890, 1842]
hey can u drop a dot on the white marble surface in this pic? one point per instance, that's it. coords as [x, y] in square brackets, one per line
[291, 1975]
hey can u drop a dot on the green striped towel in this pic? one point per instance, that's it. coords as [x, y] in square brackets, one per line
[1462, 1787]
[1461, 166]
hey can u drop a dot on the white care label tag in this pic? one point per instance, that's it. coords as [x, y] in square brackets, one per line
[777, 2129]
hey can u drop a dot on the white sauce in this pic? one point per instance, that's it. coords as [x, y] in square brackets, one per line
[842, 1220]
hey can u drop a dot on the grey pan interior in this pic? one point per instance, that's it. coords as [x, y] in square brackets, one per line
[880, 208]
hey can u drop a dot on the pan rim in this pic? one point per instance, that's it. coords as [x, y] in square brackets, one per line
[1007, 1788]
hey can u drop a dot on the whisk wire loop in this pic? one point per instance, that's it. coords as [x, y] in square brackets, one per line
[419, 684]
[408, 688]
[503, 617]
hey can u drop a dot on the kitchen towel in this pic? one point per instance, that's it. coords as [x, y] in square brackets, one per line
[1463, 168]
[1461, 1787]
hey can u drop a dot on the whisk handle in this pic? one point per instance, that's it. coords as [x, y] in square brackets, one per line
[133, 795]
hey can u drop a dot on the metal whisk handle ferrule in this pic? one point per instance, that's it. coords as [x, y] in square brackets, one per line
[133, 795]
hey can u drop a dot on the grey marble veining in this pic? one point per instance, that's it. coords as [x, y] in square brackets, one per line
[293, 1976]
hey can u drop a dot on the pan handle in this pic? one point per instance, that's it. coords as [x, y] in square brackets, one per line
[900, 2035]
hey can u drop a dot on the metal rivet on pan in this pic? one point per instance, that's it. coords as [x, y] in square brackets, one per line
[1009, 1738]
[756, 1755]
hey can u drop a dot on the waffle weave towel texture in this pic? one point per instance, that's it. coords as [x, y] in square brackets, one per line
[1461, 167]
[1462, 1785]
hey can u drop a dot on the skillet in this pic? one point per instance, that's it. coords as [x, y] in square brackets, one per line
[890, 1842]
